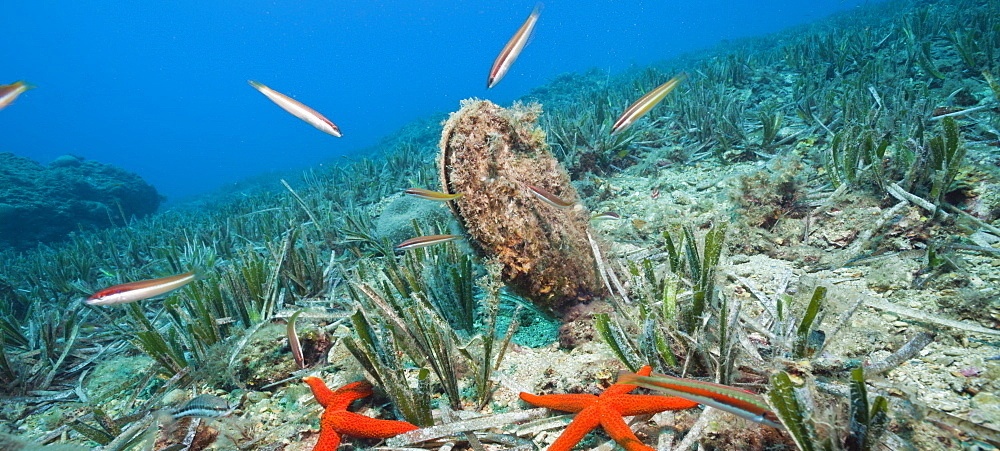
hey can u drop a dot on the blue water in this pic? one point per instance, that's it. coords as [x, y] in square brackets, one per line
[160, 88]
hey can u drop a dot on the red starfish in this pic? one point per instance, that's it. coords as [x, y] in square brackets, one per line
[607, 411]
[337, 421]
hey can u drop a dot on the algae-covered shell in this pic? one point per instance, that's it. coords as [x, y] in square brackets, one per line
[492, 155]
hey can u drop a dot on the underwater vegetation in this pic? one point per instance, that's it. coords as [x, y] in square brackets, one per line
[803, 236]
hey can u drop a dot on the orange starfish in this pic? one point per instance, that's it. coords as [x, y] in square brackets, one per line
[337, 421]
[608, 411]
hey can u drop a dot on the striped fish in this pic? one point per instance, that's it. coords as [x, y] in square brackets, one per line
[427, 194]
[645, 103]
[606, 216]
[548, 197]
[424, 241]
[143, 289]
[723, 397]
[513, 48]
[10, 92]
[203, 406]
[298, 110]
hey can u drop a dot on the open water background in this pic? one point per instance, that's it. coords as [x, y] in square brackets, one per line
[160, 88]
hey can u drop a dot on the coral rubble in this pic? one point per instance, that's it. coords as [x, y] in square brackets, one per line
[493, 156]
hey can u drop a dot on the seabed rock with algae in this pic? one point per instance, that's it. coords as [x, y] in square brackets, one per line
[491, 155]
[39, 203]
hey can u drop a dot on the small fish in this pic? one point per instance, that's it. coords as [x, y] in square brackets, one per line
[606, 216]
[293, 340]
[645, 103]
[298, 110]
[548, 197]
[424, 241]
[733, 400]
[203, 406]
[143, 289]
[10, 92]
[427, 194]
[513, 48]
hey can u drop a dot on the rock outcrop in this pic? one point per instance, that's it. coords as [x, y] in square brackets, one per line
[44, 203]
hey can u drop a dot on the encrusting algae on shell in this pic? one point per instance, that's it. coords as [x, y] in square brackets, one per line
[498, 159]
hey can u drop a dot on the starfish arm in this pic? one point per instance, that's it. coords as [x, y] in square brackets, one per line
[621, 389]
[357, 425]
[329, 440]
[618, 430]
[342, 397]
[322, 393]
[565, 403]
[582, 424]
[607, 410]
[629, 405]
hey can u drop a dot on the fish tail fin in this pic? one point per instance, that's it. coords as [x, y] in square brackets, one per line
[199, 273]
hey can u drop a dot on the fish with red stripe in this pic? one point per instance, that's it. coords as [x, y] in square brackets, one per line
[137, 291]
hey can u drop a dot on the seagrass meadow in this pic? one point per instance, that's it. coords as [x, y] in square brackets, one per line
[811, 216]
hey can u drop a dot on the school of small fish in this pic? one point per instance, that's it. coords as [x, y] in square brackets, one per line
[737, 401]
[146, 289]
